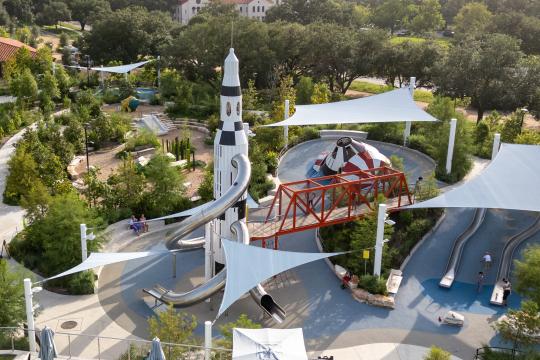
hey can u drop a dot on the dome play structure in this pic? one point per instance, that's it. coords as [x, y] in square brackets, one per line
[348, 155]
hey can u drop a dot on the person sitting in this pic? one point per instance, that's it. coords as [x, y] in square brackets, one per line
[143, 223]
[132, 222]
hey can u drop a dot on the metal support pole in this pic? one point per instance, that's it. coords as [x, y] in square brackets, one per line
[102, 78]
[496, 145]
[379, 241]
[407, 132]
[451, 140]
[159, 71]
[84, 251]
[207, 340]
[30, 314]
[86, 147]
[174, 266]
[286, 128]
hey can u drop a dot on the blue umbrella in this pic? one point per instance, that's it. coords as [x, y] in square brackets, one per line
[47, 349]
[156, 353]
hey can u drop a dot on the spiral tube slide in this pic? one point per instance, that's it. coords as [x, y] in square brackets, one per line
[506, 259]
[459, 245]
[206, 214]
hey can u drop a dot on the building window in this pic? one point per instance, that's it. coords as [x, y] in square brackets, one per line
[229, 109]
[253, 8]
[258, 8]
[262, 8]
[240, 9]
[193, 10]
[198, 1]
[238, 108]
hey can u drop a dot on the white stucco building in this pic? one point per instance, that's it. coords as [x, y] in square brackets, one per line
[255, 9]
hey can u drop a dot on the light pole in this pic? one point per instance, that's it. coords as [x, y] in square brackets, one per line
[28, 294]
[88, 64]
[84, 237]
[524, 111]
[86, 147]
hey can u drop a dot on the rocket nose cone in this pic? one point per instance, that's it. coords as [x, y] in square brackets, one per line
[230, 70]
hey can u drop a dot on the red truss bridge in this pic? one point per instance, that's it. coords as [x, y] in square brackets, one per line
[328, 200]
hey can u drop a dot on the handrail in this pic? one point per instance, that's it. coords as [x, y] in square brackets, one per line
[14, 329]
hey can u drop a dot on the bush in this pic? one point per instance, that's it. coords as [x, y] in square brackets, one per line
[81, 283]
[436, 353]
[373, 284]
[142, 138]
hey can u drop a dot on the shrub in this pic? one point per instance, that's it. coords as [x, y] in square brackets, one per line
[373, 284]
[436, 353]
[81, 283]
[143, 138]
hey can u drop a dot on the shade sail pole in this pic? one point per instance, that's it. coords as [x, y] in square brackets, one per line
[496, 145]
[407, 131]
[286, 128]
[451, 141]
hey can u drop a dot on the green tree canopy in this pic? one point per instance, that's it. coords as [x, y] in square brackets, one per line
[527, 272]
[54, 12]
[85, 11]
[175, 327]
[12, 313]
[127, 35]
[472, 19]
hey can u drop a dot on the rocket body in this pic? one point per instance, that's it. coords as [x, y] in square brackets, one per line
[230, 140]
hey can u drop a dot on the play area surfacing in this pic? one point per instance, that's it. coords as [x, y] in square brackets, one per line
[311, 293]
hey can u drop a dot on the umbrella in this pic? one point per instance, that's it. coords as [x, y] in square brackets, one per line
[47, 349]
[268, 344]
[156, 353]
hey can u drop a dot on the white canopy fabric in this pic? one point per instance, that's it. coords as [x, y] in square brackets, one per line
[271, 344]
[392, 106]
[248, 266]
[101, 259]
[510, 181]
[120, 69]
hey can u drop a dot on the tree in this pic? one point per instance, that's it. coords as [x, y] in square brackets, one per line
[23, 176]
[126, 187]
[12, 311]
[286, 91]
[304, 90]
[521, 26]
[306, 12]
[206, 189]
[436, 353]
[55, 238]
[472, 19]
[450, 9]
[321, 94]
[289, 45]
[20, 10]
[54, 12]
[173, 327]
[339, 55]
[85, 11]
[426, 17]
[250, 96]
[520, 327]
[527, 270]
[226, 330]
[36, 202]
[25, 88]
[167, 191]
[487, 70]
[127, 35]
[390, 14]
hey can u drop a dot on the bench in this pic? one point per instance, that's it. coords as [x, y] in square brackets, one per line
[394, 281]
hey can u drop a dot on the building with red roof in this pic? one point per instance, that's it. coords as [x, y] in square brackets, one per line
[8, 49]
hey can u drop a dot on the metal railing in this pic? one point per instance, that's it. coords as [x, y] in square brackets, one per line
[71, 345]
[512, 353]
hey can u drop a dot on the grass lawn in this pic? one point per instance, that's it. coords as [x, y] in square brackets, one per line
[7, 356]
[444, 42]
[70, 31]
[364, 86]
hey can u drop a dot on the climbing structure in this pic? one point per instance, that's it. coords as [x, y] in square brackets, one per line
[328, 200]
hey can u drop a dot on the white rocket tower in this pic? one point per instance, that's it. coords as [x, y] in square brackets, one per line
[230, 140]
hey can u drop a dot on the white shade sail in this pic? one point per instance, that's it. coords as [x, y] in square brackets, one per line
[511, 181]
[120, 69]
[391, 106]
[248, 266]
[273, 344]
[101, 259]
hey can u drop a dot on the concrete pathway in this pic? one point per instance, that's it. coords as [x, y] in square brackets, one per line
[379, 351]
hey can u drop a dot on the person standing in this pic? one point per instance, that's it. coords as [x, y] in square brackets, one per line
[487, 261]
[507, 289]
[480, 282]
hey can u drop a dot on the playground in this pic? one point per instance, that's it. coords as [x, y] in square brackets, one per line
[440, 275]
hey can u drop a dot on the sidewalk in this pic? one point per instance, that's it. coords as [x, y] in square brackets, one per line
[378, 351]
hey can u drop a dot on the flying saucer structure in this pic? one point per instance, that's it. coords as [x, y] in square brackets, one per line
[349, 155]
